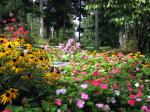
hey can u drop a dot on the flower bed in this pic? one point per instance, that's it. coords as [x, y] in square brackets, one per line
[91, 82]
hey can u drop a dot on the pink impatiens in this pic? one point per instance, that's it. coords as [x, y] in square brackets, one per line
[84, 96]
[58, 102]
[80, 103]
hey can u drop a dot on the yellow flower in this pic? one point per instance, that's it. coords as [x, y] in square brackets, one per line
[8, 96]
[2, 68]
[27, 77]
[5, 98]
[16, 69]
[142, 56]
[13, 92]
[51, 76]
[2, 53]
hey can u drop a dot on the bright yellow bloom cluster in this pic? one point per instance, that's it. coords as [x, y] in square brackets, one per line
[137, 55]
[22, 60]
[51, 76]
[8, 96]
[17, 57]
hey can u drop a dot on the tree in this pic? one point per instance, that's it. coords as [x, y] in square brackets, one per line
[41, 19]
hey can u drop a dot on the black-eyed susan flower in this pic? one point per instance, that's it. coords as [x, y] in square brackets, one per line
[16, 69]
[5, 98]
[2, 69]
[13, 92]
[8, 96]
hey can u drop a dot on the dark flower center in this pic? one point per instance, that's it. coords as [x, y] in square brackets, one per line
[7, 95]
[1, 41]
[9, 46]
[14, 60]
[22, 54]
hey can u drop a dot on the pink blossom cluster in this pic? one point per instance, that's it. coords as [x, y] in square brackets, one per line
[70, 47]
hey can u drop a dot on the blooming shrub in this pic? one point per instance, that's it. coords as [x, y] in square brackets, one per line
[24, 71]
[91, 81]
[71, 46]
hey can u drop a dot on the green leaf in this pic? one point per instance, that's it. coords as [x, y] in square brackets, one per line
[64, 107]
[46, 106]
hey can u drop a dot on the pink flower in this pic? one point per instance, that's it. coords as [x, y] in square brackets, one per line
[115, 71]
[97, 65]
[115, 86]
[13, 20]
[145, 108]
[139, 94]
[84, 73]
[104, 86]
[96, 73]
[84, 96]
[11, 28]
[80, 103]
[132, 96]
[95, 83]
[131, 102]
[4, 21]
[58, 102]
[21, 29]
[130, 89]
[6, 110]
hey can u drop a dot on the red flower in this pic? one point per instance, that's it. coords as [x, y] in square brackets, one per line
[132, 96]
[130, 89]
[25, 32]
[139, 94]
[13, 20]
[131, 102]
[115, 71]
[96, 73]
[21, 29]
[95, 83]
[6, 110]
[11, 28]
[115, 86]
[16, 33]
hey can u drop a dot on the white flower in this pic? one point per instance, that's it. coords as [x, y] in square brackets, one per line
[137, 69]
[138, 99]
[148, 96]
[113, 100]
[117, 92]
[106, 107]
[25, 51]
[58, 110]
[84, 86]
[137, 84]
[100, 105]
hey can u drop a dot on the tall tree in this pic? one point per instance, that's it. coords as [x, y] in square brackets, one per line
[41, 19]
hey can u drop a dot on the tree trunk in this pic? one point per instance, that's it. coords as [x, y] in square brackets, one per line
[41, 19]
[97, 43]
[128, 40]
[122, 39]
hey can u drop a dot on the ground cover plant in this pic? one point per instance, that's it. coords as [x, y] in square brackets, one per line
[92, 81]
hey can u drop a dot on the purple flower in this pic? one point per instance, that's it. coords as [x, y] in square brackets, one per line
[80, 103]
[61, 91]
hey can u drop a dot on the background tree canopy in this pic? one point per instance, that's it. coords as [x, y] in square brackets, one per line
[124, 24]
